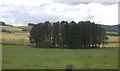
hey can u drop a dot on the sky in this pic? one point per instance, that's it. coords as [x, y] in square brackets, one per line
[22, 12]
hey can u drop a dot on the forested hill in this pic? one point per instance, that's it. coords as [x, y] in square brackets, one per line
[114, 29]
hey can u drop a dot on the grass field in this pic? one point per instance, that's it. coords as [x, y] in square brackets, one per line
[23, 39]
[18, 54]
[15, 38]
[25, 57]
[113, 39]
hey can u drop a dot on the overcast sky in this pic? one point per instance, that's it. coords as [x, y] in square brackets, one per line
[22, 12]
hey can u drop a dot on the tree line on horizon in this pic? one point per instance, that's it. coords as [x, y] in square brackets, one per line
[3, 24]
[64, 34]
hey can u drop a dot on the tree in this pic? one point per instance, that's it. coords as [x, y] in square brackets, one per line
[66, 33]
[56, 34]
[61, 41]
[84, 34]
[2, 23]
[38, 35]
[31, 24]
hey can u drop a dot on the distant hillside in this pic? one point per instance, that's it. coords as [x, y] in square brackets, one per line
[12, 29]
[111, 29]
[24, 28]
[108, 28]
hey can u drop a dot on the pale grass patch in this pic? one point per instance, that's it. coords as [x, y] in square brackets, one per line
[15, 38]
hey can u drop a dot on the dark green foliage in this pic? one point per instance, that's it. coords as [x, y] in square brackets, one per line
[31, 24]
[2, 23]
[84, 34]
[56, 28]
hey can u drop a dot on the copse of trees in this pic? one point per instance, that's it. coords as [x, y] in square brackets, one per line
[84, 34]
[2, 23]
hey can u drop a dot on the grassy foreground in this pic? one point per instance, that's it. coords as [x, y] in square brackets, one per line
[25, 57]
[17, 54]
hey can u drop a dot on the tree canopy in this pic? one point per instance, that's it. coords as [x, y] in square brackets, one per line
[84, 34]
[2, 23]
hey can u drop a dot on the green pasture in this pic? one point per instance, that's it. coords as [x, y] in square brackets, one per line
[26, 57]
[18, 54]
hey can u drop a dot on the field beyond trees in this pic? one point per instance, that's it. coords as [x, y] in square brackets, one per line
[23, 39]
[18, 53]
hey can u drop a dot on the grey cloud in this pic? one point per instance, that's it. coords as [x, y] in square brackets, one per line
[108, 3]
[85, 0]
[77, 2]
[43, 5]
[21, 15]
[89, 17]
